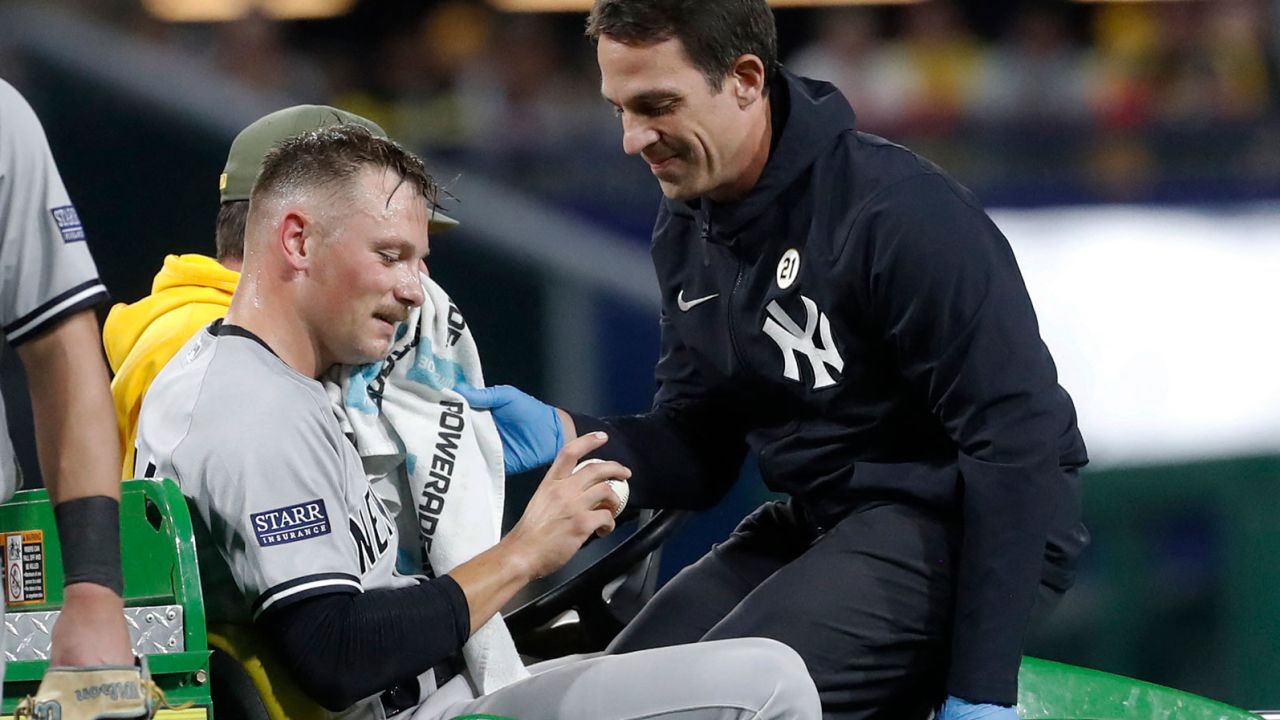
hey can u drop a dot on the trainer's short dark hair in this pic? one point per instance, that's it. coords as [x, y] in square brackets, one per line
[228, 234]
[331, 158]
[715, 33]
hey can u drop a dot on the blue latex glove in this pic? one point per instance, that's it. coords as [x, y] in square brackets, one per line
[530, 429]
[956, 709]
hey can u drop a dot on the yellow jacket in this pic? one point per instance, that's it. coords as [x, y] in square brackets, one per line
[189, 292]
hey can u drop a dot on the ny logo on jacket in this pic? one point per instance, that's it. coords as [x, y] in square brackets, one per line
[793, 341]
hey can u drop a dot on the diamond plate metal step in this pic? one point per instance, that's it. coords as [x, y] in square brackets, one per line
[154, 630]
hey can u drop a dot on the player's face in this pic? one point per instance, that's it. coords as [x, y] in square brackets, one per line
[695, 141]
[366, 273]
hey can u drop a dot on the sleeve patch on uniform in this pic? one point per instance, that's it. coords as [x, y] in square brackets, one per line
[291, 524]
[68, 221]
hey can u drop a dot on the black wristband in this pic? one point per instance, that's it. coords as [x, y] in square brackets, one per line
[89, 530]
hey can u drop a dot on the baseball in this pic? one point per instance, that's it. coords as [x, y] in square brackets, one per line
[618, 486]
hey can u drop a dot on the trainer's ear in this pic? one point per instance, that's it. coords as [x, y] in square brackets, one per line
[296, 238]
[747, 80]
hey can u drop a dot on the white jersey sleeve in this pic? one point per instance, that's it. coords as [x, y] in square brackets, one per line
[46, 271]
[257, 450]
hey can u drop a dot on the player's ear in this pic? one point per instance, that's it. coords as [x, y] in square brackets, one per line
[746, 79]
[296, 239]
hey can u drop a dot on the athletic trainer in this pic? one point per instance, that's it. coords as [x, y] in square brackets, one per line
[844, 310]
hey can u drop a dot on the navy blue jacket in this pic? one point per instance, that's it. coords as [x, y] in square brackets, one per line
[900, 360]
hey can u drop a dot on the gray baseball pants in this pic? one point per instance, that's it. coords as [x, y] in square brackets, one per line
[738, 679]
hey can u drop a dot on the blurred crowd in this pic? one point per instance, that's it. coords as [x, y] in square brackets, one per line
[456, 76]
[461, 73]
[1133, 63]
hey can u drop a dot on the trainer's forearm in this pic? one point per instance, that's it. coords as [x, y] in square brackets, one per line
[492, 578]
[75, 423]
[680, 465]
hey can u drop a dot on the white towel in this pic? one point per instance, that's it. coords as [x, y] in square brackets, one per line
[404, 410]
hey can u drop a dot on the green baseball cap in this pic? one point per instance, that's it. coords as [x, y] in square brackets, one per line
[253, 143]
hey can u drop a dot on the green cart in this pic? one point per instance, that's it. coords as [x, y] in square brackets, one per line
[167, 621]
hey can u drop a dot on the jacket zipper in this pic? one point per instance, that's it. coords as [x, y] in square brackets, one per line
[705, 228]
[733, 336]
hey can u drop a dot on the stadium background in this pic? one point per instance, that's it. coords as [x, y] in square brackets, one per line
[1131, 152]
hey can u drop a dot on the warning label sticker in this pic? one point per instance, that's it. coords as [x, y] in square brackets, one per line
[24, 567]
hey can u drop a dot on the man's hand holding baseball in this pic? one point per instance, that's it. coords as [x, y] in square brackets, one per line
[568, 507]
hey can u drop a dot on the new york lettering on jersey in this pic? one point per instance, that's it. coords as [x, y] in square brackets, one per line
[372, 530]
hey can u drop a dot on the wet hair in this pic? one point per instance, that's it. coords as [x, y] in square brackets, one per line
[331, 158]
[714, 33]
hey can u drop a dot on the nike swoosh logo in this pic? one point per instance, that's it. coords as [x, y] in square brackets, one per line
[687, 306]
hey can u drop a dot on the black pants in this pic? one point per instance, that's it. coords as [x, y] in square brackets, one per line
[868, 604]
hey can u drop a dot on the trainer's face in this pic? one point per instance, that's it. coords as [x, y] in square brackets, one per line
[366, 273]
[697, 142]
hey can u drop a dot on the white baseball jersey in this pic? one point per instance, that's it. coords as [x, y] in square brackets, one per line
[280, 491]
[46, 272]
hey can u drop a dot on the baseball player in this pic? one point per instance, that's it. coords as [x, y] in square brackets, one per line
[192, 290]
[294, 538]
[48, 288]
[845, 310]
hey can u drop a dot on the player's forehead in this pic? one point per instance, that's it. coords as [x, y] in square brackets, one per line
[380, 208]
[385, 196]
[381, 187]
